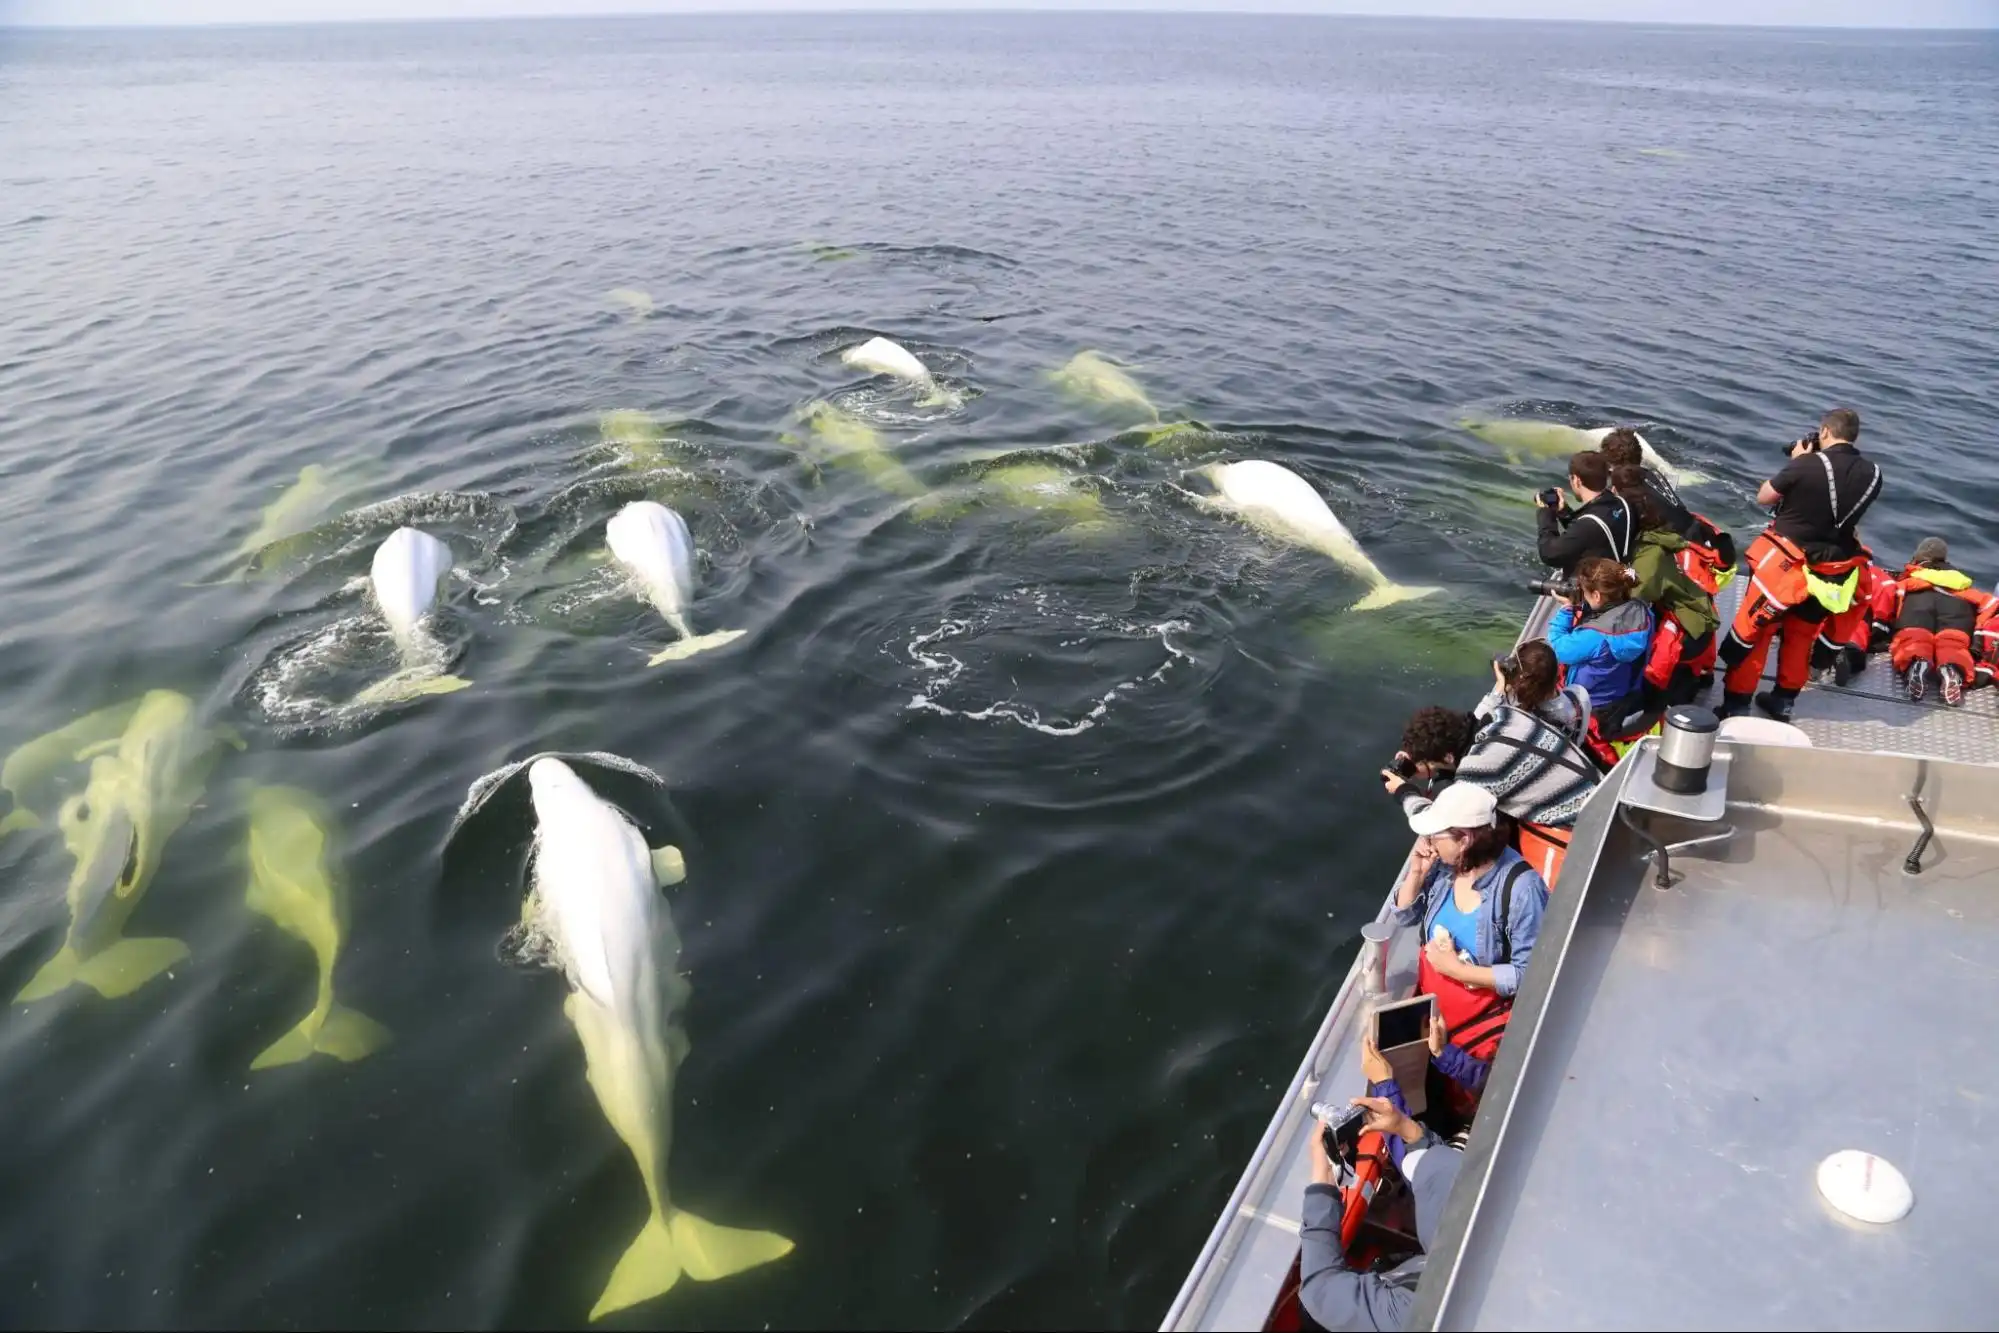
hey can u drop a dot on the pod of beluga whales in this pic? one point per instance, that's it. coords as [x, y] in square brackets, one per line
[120, 781]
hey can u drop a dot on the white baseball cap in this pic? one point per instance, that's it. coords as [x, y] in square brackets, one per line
[1460, 805]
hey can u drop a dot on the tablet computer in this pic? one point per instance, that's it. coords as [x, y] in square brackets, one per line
[1404, 1023]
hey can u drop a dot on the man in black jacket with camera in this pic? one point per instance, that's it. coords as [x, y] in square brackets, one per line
[1805, 568]
[1604, 525]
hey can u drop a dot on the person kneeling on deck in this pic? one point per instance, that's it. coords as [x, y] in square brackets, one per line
[1479, 905]
[1533, 768]
[1935, 613]
[1334, 1295]
[1805, 567]
[1602, 636]
[1604, 525]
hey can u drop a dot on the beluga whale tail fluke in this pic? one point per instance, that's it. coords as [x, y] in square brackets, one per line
[652, 545]
[403, 580]
[1280, 503]
[679, 1243]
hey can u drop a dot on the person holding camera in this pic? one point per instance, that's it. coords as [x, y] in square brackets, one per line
[1603, 636]
[1535, 772]
[1804, 568]
[1333, 1294]
[1603, 524]
[1529, 678]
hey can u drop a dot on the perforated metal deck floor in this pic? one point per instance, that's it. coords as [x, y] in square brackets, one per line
[1873, 712]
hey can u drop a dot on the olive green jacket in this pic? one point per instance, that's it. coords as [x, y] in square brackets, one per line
[1666, 586]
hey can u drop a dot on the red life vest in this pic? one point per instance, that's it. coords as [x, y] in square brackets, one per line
[1475, 1016]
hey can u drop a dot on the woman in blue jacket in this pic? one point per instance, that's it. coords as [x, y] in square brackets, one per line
[1604, 647]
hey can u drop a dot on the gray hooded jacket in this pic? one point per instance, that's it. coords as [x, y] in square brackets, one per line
[1340, 1299]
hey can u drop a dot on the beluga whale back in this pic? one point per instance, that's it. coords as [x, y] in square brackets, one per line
[1551, 439]
[884, 356]
[403, 580]
[595, 912]
[1279, 502]
[653, 546]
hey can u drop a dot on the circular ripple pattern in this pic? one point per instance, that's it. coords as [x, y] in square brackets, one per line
[1030, 824]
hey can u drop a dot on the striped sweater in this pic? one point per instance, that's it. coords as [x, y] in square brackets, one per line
[1537, 776]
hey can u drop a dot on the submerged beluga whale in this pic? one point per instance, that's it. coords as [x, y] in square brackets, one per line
[594, 911]
[295, 882]
[652, 545]
[403, 580]
[1279, 502]
[1551, 439]
[146, 774]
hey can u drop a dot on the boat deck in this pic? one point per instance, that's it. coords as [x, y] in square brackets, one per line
[1647, 1158]
[1239, 1272]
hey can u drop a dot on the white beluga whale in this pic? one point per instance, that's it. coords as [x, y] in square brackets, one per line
[403, 580]
[636, 304]
[884, 356]
[1279, 502]
[1093, 376]
[594, 911]
[653, 546]
[1551, 439]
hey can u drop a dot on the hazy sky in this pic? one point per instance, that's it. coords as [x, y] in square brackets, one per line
[1858, 13]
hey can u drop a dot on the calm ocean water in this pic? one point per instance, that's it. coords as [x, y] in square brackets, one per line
[1026, 843]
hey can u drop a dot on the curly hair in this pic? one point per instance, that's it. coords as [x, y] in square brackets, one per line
[1435, 732]
[1621, 448]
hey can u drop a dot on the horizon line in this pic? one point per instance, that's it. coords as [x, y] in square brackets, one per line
[1027, 7]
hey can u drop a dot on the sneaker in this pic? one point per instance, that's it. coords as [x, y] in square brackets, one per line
[1776, 704]
[1953, 686]
[1919, 680]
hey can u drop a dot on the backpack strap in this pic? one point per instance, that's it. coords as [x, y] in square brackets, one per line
[1620, 551]
[1505, 954]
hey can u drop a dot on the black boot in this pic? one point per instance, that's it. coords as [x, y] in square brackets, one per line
[1851, 662]
[1777, 703]
[1732, 704]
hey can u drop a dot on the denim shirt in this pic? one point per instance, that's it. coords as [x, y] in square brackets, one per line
[1530, 900]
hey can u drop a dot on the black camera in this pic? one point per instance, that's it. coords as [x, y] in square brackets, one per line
[1810, 443]
[1552, 497]
[1562, 590]
[1507, 664]
[1402, 766]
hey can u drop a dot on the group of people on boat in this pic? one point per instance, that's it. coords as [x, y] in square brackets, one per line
[1493, 794]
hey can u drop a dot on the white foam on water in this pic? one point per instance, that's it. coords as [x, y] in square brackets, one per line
[943, 669]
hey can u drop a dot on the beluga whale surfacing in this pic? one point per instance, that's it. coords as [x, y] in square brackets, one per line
[595, 912]
[403, 580]
[1279, 502]
[884, 356]
[652, 545]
